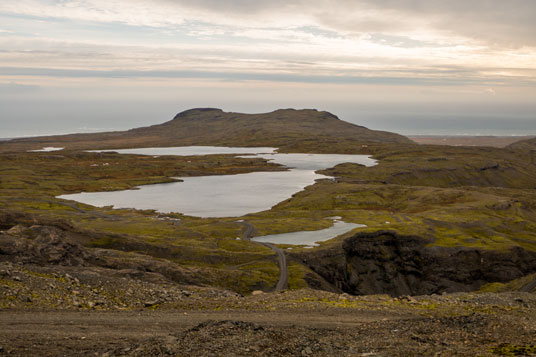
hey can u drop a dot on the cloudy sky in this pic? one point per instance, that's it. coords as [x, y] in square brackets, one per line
[411, 66]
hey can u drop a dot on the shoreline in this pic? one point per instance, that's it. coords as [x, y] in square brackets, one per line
[468, 140]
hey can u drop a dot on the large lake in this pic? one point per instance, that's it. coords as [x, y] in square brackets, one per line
[222, 195]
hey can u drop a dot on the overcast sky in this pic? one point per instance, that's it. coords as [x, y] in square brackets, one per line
[401, 65]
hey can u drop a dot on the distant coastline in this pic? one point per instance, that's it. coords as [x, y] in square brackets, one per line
[468, 140]
[499, 141]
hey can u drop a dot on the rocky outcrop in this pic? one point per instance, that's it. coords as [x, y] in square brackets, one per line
[42, 245]
[58, 249]
[384, 262]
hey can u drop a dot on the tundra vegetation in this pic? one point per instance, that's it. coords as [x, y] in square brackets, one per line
[439, 219]
[471, 197]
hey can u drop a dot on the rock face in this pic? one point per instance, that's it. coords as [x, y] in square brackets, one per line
[55, 248]
[387, 263]
[42, 245]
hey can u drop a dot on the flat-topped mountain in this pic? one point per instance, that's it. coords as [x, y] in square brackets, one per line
[289, 129]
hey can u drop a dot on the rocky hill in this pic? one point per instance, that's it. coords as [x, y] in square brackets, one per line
[305, 130]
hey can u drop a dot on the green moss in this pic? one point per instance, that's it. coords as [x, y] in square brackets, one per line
[451, 196]
[45, 276]
[296, 275]
[261, 275]
[8, 283]
[491, 288]
[514, 350]
[341, 303]
[104, 242]
[514, 285]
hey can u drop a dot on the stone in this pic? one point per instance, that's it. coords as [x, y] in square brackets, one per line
[307, 351]
[411, 299]
[150, 303]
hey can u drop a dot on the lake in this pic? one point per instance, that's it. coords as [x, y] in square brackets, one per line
[47, 149]
[309, 238]
[222, 195]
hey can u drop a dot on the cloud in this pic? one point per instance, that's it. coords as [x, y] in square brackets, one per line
[361, 40]
[511, 23]
[13, 87]
[415, 78]
[490, 91]
[497, 22]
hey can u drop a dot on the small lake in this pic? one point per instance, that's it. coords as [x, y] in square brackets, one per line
[222, 195]
[193, 150]
[309, 238]
[47, 149]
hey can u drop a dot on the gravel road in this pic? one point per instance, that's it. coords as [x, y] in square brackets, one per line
[282, 283]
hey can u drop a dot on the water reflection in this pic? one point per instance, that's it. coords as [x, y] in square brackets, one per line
[222, 195]
[193, 150]
[208, 196]
[309, 238]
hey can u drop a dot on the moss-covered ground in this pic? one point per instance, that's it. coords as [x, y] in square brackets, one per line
[472, 197]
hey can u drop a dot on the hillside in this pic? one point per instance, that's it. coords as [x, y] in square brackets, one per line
[291, 130]
[448, 243]
[529, 144]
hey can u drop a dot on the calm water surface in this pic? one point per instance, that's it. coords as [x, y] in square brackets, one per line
[309, 238]
[47, 149]
[193, 150]
[222, 195]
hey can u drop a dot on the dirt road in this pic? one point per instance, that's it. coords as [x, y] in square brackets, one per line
[282, 283]
[57, 333]
[373, 326]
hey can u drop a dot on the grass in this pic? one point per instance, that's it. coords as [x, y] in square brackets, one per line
[296, 275]
[514, 285]
[456, 197]
[506, 349]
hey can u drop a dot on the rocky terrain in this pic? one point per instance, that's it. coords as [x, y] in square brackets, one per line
[57, 296]
[404, 265]
[444, 264]
[58, 310]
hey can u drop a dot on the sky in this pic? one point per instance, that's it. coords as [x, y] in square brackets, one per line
[409, 66]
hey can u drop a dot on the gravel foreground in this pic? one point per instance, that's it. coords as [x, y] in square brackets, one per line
[297, 323]
[71, 311]
[234, 333]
